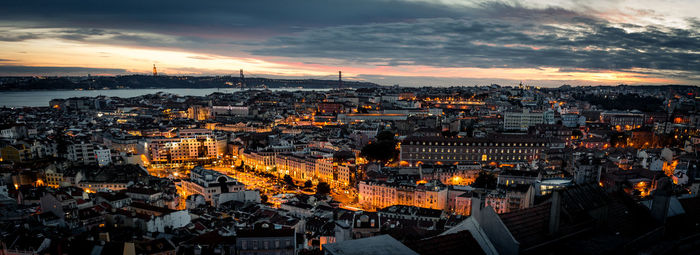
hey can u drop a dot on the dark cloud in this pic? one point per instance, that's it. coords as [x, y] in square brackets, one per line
[581, 43]
[17, 37]
[11, 70]
[420, 81]
[370, 32]
[230, 17]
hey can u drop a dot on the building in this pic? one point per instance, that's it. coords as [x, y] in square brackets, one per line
[376, 194]
[330, 108]
[190, 146]
[266, 240]
[441, 150]
[210, 183]
[299, 167]
[198, 113]
[363, 117]
[229, 110]
[623, 120]
[522, 120]
[376, 245]
[16, 153]
[259, 159]
[573, 120]
[103, 156]
[82, 153]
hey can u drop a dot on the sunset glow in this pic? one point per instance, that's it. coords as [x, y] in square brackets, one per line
[446, 47]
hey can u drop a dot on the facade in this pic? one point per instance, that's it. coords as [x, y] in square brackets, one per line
[375, 194]
[103, 156]
[183, 149]
[82, 153]
[362, 117]
[440, 150]
[522, 120]
[300, 168]
[623, 120]
[210, 183]
[16, 153]
[573, 120]
[259, 159]
[96, 186]
[266, 241]
[230, 110]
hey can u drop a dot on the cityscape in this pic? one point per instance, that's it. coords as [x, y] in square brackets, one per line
[337, 128]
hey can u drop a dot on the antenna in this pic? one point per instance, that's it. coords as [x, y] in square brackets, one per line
[340, 80]
[242, 80]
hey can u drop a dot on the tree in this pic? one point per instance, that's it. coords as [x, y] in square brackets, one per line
[308, 184]
[385, 135]
[618, 139]
[323, 188]
[288, 180]
[484, 180]
[383, 149]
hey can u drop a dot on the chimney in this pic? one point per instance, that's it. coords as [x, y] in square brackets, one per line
[555, 213]
[420, 171]
[661, 200]
[475, 207]
[129, 249]
[104, 236]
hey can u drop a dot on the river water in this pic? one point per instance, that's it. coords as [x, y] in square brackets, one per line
[42, 97]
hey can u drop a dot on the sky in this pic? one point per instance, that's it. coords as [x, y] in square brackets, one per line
[405, 42]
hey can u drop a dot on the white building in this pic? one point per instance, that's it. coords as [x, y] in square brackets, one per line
[103, 156]
[230, 110]
[210, 184]
[190, 146]
[522, 120]
[573, 120]
[82, 153]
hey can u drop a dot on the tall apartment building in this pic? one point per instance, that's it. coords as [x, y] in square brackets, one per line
[190, 145]
[522, 120]
[441, 150]
[82, 153]
[87, 153]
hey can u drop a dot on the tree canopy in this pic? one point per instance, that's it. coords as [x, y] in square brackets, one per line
[382, 149]
[323, 188]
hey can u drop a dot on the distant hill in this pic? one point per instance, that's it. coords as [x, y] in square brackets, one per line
[147, 81]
